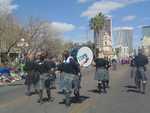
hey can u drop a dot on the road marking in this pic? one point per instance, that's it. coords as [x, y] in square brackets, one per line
[84, 106]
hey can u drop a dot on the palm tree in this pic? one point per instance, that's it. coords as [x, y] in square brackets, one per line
[97, 24]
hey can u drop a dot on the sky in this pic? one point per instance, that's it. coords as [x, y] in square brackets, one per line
[71, 17]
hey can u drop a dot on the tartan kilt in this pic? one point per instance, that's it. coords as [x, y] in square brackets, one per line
[101, 74]
[35, 77]
[76, 82]
[43, 82]
[140, 74]
[66, 82]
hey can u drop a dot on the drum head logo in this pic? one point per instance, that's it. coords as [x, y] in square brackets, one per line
[85, 56]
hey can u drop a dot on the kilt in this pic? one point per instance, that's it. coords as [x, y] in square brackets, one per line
[66, 81]
[35, 77]
[76, 82]
[101, 74]
[43, 82]
[140, 74]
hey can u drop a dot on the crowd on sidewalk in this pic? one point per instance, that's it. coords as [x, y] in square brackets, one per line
[9, 73]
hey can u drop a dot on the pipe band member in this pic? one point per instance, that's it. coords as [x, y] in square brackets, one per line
[43, 68]
[101, 74]
[28, 68]
[69, 71]
[140, 62]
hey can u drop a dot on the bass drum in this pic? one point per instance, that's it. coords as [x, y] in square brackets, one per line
[83, 55]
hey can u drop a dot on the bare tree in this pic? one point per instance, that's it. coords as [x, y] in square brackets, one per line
[10, 32]
[41, 35]
[37, 33]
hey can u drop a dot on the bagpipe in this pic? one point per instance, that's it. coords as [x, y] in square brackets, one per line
[83, 55]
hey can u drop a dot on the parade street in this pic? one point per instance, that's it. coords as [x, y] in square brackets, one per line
[122, 97]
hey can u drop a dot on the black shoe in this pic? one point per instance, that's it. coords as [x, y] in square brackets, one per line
[50, 99]
[36, 92]
[76, 93]
[28, 94]
[40, 101]
[99, 91]
[143, 92]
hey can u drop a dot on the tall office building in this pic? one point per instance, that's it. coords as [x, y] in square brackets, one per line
[146, 39]
[103, 41]
[123, 37]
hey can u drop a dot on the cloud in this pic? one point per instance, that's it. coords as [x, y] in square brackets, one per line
[82, 1]
[122, 28]
[77, 39]
[129, 18]
[62, 27]
[107, 6]
[7, 6]
[146, 18]
[104, 7]
[140, 26]
[127, 1]
[82, 28]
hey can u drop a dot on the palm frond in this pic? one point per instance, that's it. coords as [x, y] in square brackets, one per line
[97, 22]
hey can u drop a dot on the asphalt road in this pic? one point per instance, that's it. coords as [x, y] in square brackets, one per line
[120, 98]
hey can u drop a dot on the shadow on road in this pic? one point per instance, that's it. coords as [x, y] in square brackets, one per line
[75, 100]
[93, 91]
[47, 100]
[79, 100]
[132, 88]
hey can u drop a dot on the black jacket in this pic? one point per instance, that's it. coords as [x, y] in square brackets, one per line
[141, 60]
[101, 62]
[72, 67]
[42, 66]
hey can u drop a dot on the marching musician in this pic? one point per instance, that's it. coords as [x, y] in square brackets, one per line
[28, 68]
[70, 70]
[44, 69]
[101, 74]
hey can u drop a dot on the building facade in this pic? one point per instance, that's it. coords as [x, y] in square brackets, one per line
[146, 39]
[123, 39]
